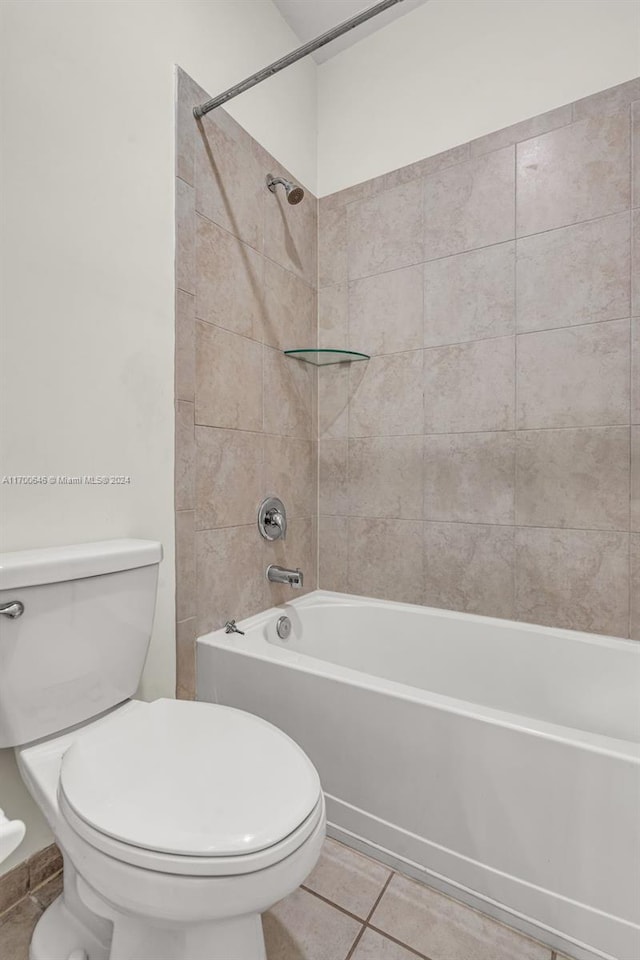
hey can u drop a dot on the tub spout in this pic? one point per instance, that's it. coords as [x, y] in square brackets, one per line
[275, 574]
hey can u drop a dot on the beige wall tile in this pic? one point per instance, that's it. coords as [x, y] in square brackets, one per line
[297, 551]
[470, 296]
[229, 281]
[469, 567]
[333, 317]
[575, 173]
[635, 119]
[228, 379]
[423, 168]
[290, 472]
[185, 237]
[447, 930]
[635, 586]
[385, 232]
[290, 309]
[577, 376]
[290, 236]
[635, 262]
[635, 370]
[373, 946]
[185, 381]
[524, 130]
[386, 396]
[577, 579]
[333, 400]
[386, 559]
[385, 477]
[230, 572]
[185, 565]
[469, 477]
[230, 178]
[288, 395]
[303, 927]
[332, 243]
[332, 554]
[573, 478]
[185, 467]
[635, 478]
[574, 275]
[186, 659]
[229, 477]
[385, 312]
[470, 205]
[347, 878]
[606, 102]
[333, 492]
[470, 386]
[188, 94]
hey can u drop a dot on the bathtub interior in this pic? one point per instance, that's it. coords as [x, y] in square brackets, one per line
[586, 682]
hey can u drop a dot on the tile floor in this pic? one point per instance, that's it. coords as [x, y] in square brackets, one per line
[350, 908]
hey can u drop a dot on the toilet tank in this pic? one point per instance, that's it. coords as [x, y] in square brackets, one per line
[80, 645]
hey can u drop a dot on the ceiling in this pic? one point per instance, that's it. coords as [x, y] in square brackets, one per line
[310, 18]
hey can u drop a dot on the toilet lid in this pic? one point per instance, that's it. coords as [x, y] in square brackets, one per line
[192, 779]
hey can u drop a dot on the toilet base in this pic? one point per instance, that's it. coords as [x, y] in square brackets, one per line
[61, 936]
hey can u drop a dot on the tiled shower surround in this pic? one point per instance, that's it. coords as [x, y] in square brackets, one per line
[487, 457]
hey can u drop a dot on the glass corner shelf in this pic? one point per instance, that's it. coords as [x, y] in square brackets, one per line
[322, 358]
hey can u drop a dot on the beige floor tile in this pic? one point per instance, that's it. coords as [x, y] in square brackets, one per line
[444, 929]
[373, 946]
[302, 927]
[16, 928]
[347, 878]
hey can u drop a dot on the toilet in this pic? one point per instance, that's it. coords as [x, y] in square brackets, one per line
[179, 822]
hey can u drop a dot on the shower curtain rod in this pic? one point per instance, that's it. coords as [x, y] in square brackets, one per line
[292, 57]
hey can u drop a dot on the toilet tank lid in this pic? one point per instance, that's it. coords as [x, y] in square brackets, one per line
[28, 568]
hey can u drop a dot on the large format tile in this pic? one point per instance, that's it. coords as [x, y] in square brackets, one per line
[16, 928]
[333, 400]
[469, 567]
[228, 379]
[635, 262]
[332, 554]
[385, 477]
[386, 559]
[635, 478]
[470, 386]
[14, 886]
[373, 946]
[185, 452]
[290, 472]
[298, 551]
[469, 477]
[44, 865]
[444, 929]
[385, 312]
[185, 382]
[635, 586]
[188, 94]
[470, 296]
[574, 275]
[573, 478]
[605, 102]
[230, 575]
[186, 659]
[290, 235]
[230, 179]
[332, 477]
[290, 309]
[332, 242]
[578, 376]
[333, 317]
[470, 205]
[185, 264]
[303, 927]
[635, 119]
[523, 130]
[288, 395]
[185, 565]
[347, 878]
[229, 281]
[386, 396]
[578, 579]
[385, 232]
[635, 370]
[229, 477]
[576, 173]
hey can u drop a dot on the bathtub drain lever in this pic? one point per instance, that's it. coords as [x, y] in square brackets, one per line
[230, 627]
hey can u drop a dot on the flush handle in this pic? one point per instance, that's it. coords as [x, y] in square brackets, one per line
[13, 609]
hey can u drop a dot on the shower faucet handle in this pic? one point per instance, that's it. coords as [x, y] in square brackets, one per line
[272, 519]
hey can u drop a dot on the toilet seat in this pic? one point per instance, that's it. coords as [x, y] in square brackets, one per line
[190, 788]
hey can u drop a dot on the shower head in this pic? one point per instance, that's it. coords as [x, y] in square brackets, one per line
[293, 191]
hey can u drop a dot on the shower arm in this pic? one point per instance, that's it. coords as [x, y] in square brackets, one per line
[293, 57]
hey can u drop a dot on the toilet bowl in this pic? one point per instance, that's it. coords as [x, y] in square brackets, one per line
[179, 822]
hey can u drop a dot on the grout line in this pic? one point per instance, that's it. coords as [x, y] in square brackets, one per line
[400, 943]
[472, 523]
[380, 895]
[355, 943]
[332, 903]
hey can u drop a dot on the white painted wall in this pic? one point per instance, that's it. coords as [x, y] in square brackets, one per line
[453, 70]
[87, 261]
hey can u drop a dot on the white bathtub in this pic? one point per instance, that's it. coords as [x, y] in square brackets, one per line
[496, 760]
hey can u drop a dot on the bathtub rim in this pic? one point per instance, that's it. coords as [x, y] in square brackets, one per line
[259, 647]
